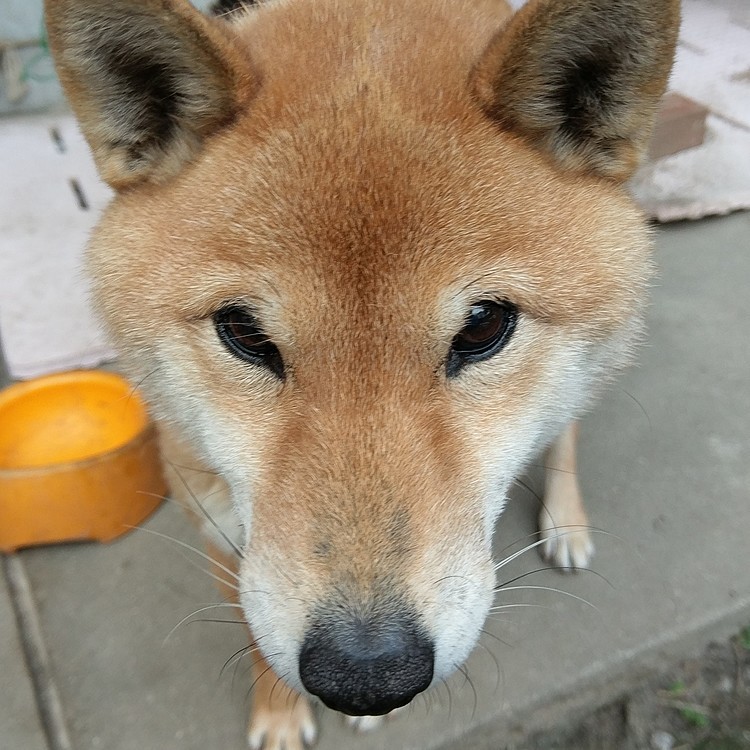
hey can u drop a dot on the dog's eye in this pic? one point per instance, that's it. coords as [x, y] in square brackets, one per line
[488, 328]
[241, 334]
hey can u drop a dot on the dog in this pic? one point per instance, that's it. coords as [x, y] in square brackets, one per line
[366, 259]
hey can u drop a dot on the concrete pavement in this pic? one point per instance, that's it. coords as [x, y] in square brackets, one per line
[665, 468]
[20, 726]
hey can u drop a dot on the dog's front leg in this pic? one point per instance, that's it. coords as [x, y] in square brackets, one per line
[280, 717]
[563, 522]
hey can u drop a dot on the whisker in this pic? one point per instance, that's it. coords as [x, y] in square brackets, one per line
[450, 697]
[238, 655]
[431, 701]
[279, 679]
[216, 605]
[494, 659]
[640, 405]
[550, 567]
[296, 700]
[208, 516]
[529, 489]
[516, 605]
[479, 278]
[465, 672]
[195, 565]
[132, 391]
[196, 469]
[446, 578]
[551, 468]
[527, 573]
[542, 505]
[191, 548]
[192, 614]
[550, 588]
[571, 528]
[255, 681]
[254, 648]
[520, 552]
[484, 631]
[221, 581]
[532, 534]
[254, 591]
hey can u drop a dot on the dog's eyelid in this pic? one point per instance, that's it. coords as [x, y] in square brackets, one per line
[497, 298]
[488, 327]
[243, 336]
[235, 303]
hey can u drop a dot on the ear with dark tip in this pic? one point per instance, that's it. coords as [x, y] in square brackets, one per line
[581, 79]
[149, 80]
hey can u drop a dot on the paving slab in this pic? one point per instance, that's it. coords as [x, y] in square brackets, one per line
[665, 468]
[106, 611]
[19, 721]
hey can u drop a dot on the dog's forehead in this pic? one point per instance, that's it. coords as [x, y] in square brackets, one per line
[364, 205]
[377, 212]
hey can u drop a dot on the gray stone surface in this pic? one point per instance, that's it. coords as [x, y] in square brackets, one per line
[665, 467]
[19, 723]
[107, 610]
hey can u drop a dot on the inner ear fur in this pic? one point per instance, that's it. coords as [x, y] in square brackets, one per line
[581, 79]
[147, 79]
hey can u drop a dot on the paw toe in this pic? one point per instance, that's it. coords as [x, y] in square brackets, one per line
[293, 729]
[364, 723]
[568, 549]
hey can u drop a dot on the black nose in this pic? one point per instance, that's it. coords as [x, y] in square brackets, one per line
[366, 666]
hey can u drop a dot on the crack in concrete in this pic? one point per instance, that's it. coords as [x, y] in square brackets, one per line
[46, 694]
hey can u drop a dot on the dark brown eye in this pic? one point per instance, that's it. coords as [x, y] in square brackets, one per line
[240, 332]
[489, 325]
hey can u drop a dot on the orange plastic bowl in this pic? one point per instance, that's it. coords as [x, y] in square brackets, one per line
[78, 460]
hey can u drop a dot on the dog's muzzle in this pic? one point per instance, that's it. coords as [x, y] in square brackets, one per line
[366, 665]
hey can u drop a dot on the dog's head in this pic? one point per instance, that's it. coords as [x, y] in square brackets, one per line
[370, 256]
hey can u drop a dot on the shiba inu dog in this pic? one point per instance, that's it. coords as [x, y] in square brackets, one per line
[367, 257]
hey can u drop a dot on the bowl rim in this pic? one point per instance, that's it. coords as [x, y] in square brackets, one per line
[148, 432]
[23, 389]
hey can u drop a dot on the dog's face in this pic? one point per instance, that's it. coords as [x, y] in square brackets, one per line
[370, 287]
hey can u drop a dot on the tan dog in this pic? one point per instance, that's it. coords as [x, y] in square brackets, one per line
[367, 258]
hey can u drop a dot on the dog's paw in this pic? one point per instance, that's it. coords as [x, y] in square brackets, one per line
[282, 726]
[568, 547]
[365, 724]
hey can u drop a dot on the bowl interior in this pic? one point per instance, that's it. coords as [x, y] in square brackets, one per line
[66, 418]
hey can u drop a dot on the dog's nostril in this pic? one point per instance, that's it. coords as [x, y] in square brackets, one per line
[366, 667]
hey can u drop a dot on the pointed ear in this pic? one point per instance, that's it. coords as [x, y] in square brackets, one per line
[147, 79]
[581, 79]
